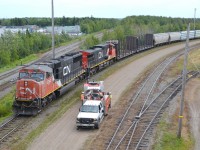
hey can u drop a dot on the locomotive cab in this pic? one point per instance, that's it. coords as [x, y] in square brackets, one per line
[34, 89]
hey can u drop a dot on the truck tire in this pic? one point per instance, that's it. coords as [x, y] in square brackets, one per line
[97, 125]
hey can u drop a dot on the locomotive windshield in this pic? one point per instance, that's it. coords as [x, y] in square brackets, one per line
[37, 76]
[23, 75]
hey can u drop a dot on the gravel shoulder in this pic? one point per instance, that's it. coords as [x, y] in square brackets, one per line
[63, 134]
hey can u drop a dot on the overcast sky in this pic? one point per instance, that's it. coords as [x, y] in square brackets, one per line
[99, 8]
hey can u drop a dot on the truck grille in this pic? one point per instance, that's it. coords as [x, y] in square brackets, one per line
[86, 120]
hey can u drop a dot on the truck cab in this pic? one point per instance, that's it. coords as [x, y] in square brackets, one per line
[91, 114]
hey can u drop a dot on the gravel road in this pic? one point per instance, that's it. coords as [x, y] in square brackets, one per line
[63, 134]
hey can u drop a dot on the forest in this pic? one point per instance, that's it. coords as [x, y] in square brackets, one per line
[17, 46]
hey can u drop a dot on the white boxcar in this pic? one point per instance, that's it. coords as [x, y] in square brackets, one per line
[174, 36]
[160, 38]
[184, 34]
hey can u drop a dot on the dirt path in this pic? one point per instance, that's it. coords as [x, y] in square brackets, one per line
[192, 96]
[63, 134]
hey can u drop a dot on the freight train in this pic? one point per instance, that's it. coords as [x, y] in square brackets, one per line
[40, 83]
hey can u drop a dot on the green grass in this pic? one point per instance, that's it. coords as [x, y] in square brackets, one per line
[193, 63]
[166, 139]
[19, 62]
[6, 106]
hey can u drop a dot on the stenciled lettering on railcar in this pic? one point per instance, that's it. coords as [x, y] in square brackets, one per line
[66, 70]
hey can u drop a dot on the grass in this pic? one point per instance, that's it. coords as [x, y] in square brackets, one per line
[6, 105]
[193, 63]
[166, 138]
[169, 140]
[18, 63]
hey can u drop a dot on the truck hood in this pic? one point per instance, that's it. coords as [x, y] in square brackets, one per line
[87, 115]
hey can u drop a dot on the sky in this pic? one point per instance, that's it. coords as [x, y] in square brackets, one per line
[100, 8]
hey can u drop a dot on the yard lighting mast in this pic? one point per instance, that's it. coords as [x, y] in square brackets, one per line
[183, 83]
[53, 47]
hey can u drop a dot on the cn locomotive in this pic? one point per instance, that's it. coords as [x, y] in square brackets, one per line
[40, 83]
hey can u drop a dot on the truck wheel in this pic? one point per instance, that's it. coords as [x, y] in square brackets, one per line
[110, 105]
[77, 128]
[97, 125]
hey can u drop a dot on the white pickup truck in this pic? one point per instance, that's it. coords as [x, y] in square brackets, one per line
[90, 114]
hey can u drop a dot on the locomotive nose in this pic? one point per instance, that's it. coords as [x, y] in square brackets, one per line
[26, 90]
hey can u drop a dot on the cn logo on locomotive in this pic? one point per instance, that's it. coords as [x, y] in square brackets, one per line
[66, 70]
[25, 90]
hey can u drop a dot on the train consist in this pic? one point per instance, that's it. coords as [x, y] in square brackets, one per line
[40, 83]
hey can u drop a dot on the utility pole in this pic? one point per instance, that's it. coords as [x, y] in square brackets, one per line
[53, 47]
[194, 22]
[183, 83]
[194, 17]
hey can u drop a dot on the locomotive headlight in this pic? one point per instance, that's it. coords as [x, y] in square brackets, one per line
[25, 83]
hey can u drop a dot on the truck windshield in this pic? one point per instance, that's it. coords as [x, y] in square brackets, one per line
[89, 108]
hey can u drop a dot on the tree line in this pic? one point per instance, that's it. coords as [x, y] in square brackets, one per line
[140, 25]
[88, 24]
[17, 46]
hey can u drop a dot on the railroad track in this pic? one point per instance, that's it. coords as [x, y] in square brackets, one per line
[10, 127]
[139, 116]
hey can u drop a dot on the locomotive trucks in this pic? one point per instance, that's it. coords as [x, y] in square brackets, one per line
[95, 105]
